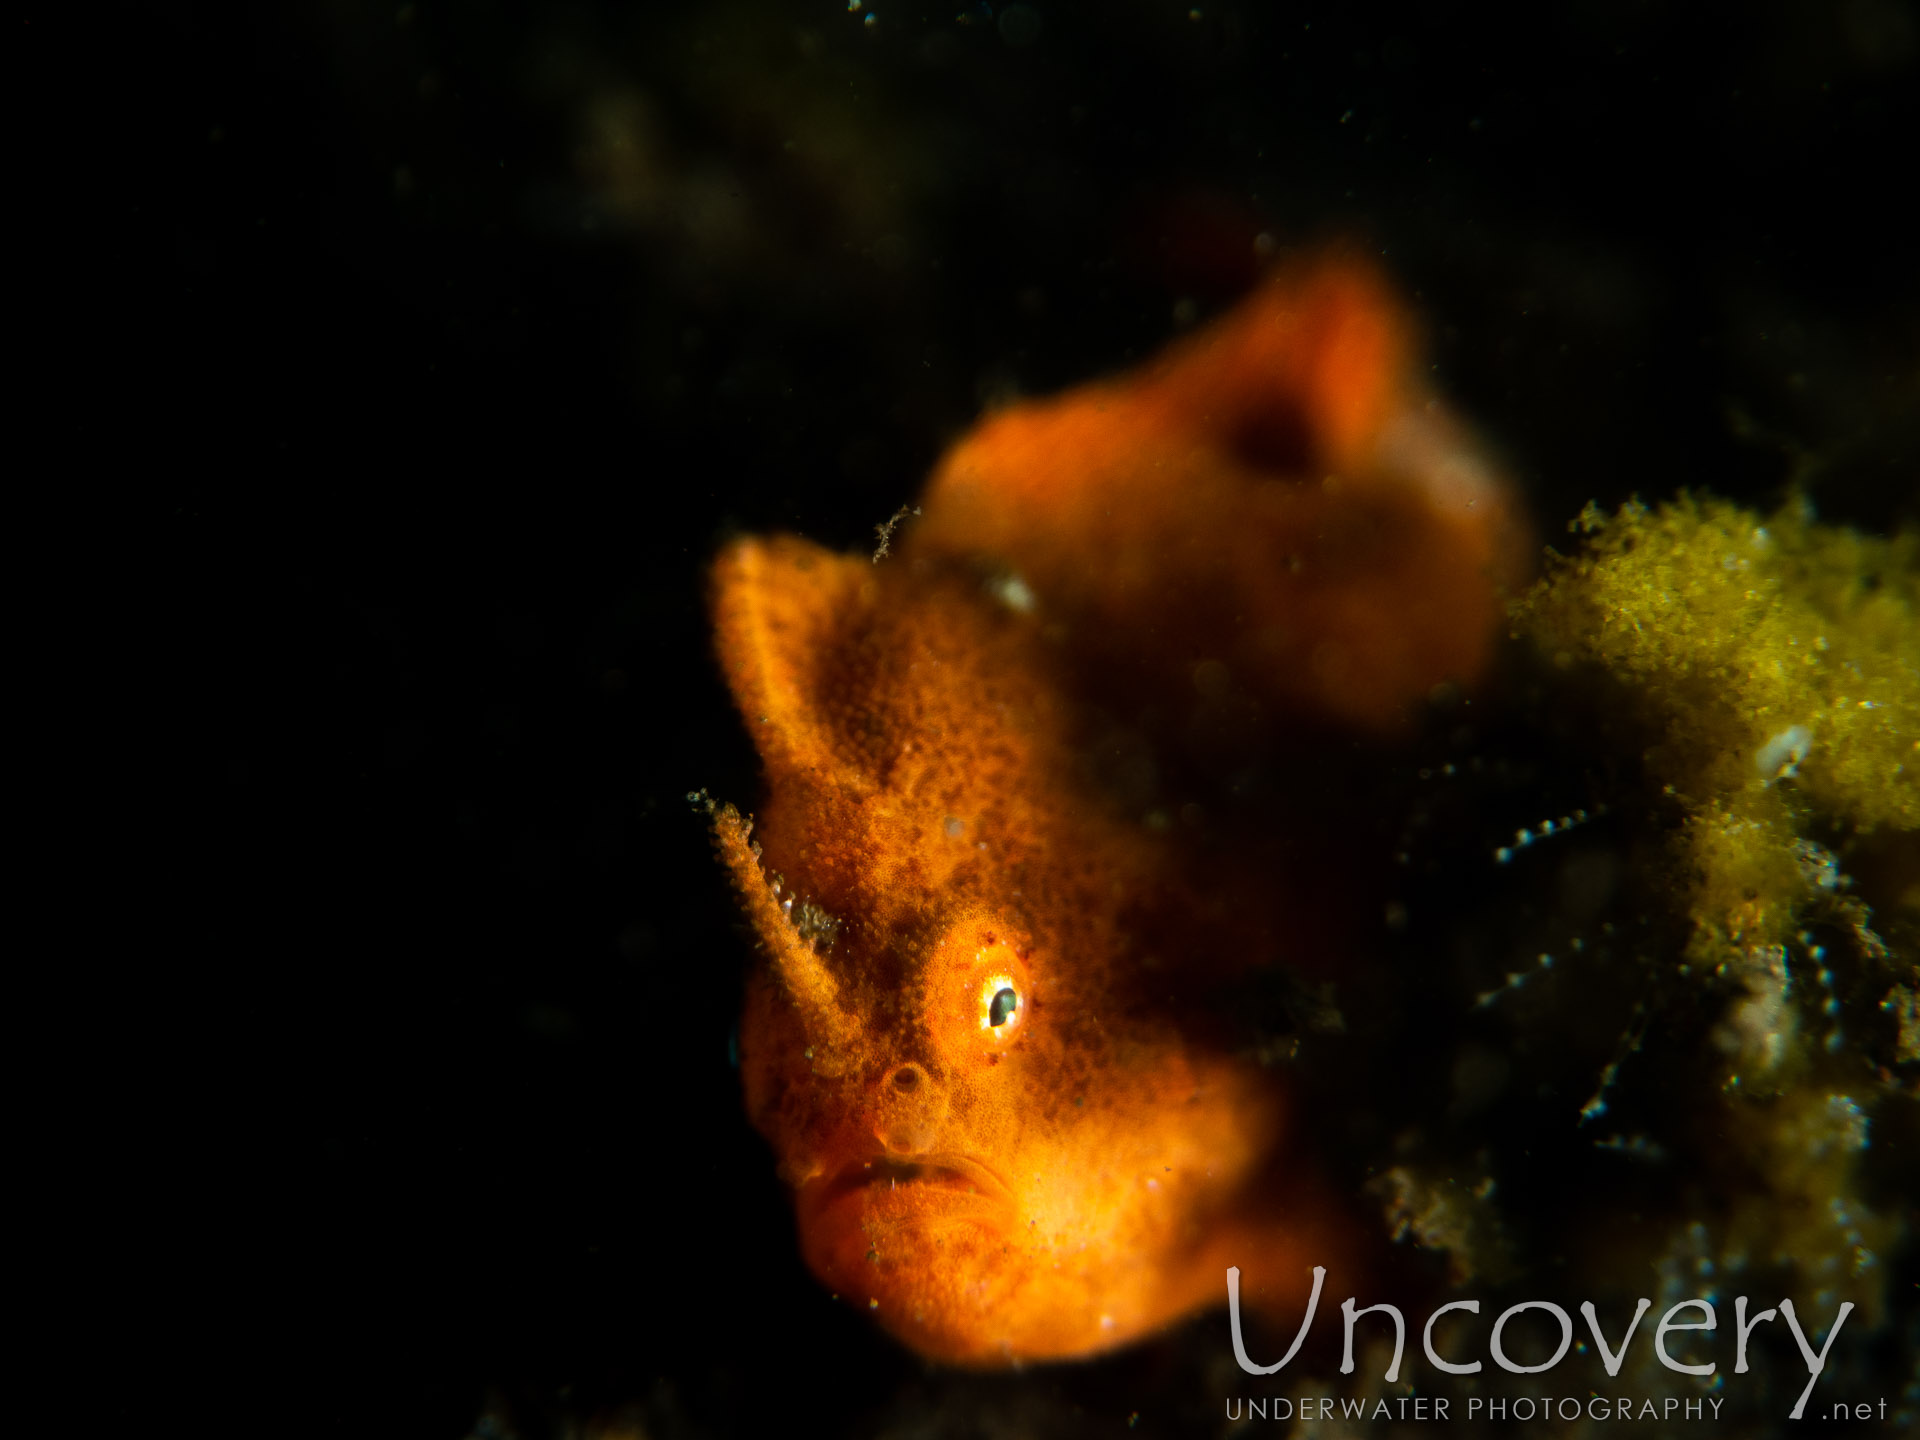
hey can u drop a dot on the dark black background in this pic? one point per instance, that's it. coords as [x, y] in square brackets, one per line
[412, 1055]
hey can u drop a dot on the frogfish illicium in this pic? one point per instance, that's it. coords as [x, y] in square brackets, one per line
[985, 1034]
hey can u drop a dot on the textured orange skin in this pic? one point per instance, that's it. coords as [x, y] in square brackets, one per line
[1085, 1173]
[1277, 493]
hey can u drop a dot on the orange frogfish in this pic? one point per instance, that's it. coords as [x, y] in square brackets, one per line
[986, 1035]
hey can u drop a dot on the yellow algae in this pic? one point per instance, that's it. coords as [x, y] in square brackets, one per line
[1440, 1214]
[1904, 1004]
[1777, 662]
[1805, 1211]
[1775, 640]
[1770, 667]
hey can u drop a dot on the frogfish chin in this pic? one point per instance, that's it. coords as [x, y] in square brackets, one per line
[989, 1035]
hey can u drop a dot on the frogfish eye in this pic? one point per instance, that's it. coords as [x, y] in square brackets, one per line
[1000, 1005]
[991, 1002]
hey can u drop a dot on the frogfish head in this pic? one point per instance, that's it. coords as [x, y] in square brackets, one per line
[999, 1133]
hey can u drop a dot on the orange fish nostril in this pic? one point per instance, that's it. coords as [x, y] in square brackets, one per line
[907, 1140]
[909, 1108]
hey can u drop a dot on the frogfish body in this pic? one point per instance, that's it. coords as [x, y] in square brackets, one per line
[985, 1037]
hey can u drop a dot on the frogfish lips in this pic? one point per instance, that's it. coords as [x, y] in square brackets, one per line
[888, 1194]
[859, 1222]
